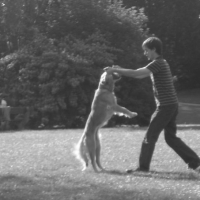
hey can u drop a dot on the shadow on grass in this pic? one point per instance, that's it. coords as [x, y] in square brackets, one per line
[23, 188]
[191, 176]
[18, 188]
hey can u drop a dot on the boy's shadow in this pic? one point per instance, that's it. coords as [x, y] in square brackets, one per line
[192, 176]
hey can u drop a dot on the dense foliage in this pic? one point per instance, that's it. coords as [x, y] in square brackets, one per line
[53, 52]
[177, 23]
[57, 49]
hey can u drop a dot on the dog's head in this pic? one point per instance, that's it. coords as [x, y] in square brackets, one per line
[107, 81]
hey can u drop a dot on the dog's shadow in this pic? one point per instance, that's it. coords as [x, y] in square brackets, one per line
[192, 176]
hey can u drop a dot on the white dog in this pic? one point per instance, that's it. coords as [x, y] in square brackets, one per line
[103, 107]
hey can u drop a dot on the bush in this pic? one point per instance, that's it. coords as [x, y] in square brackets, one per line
[59, 70]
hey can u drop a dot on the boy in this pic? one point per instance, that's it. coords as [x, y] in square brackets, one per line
[164, 117]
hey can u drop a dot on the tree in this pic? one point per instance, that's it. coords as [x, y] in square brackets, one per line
[58, 66]
[177, 23]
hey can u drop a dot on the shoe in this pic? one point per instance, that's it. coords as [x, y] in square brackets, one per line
[197, 169]
[129, 171]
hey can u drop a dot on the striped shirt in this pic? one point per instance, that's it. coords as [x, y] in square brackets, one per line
[163, 86]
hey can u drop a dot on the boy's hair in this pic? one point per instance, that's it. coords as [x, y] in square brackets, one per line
[153, 43]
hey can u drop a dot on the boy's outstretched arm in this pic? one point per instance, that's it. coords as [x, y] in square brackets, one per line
[138, 73]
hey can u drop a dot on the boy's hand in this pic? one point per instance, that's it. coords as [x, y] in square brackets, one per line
[116, 66]
[109, 70]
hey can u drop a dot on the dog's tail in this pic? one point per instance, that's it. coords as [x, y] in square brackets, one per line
[81, 152]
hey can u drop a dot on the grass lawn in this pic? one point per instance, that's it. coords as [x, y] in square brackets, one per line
[39, 165]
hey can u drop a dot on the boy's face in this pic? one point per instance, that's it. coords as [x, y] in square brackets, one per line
[149, 53]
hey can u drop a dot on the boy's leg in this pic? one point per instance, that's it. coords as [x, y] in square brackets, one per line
[184, 151]
[159, 120]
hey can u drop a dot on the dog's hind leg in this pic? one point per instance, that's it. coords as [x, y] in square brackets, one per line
[91, 145]
[80, 151]
[98, 151]
[85, 163]
[83, 155]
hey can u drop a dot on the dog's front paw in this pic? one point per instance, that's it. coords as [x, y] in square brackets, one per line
[133, 114]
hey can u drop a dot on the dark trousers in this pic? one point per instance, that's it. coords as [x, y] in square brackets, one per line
[164, 118]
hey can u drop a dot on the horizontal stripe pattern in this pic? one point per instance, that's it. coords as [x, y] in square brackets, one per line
[162, 81]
